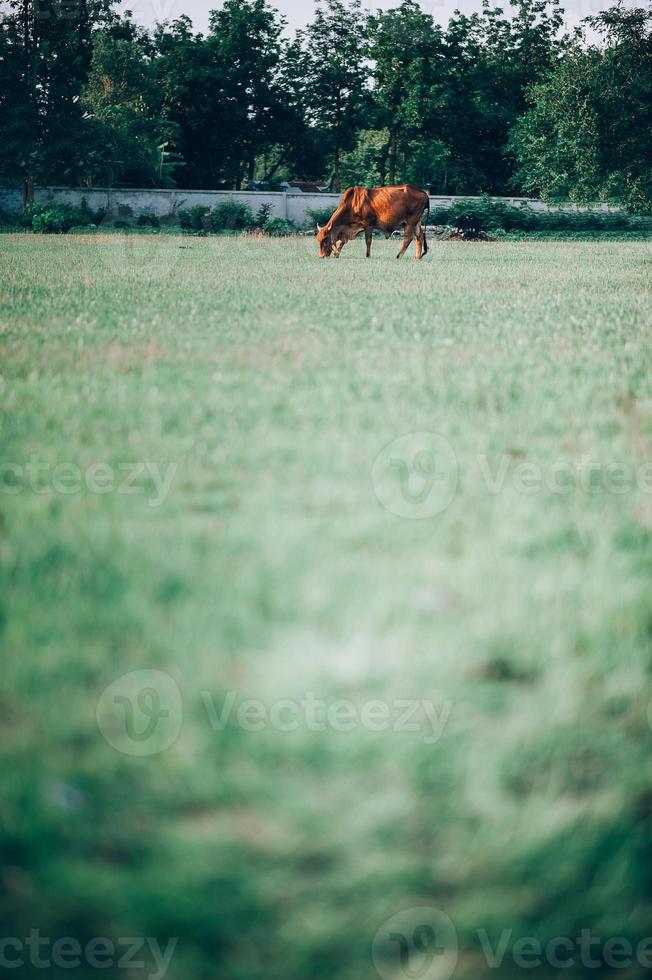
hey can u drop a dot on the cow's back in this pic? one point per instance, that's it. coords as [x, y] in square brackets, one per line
[395, 204]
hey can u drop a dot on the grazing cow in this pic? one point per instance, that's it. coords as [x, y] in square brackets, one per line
[364, 209]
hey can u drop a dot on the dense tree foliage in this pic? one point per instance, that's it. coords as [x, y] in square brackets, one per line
[498, 102]
[588, 133]
[331, 57]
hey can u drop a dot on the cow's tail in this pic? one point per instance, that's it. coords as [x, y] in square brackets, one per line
[425, 227]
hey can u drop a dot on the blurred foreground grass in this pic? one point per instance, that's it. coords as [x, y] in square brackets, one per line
[189, 490]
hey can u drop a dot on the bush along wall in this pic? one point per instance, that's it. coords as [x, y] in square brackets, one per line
[470, 218]
[474, 218]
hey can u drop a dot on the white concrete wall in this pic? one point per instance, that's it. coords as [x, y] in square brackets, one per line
[293, 205]
[10, 199]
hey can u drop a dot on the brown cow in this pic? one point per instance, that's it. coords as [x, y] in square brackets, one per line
[364, 209]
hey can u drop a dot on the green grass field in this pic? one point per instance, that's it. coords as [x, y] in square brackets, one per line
[377, 537]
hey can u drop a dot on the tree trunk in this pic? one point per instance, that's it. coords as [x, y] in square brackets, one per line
[336, 161]
[382, 163]
[30, 43]
[392, 157]
[28, 192]
[272, 170]
[26, 25]
[336, 168]
[252, 167]
[83, 35]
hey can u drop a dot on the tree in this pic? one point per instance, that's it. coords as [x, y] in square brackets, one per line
[223, 91]
[331, 59]
[489, 60]
[46, 54]
[190, 80]
[246, 35]
[366, 163]
[303, 151]
[588, 133]
[405, 49]
[18, 114]
[125, 130]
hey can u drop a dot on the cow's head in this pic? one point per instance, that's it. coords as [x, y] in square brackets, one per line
[331, 240]
[325, 240]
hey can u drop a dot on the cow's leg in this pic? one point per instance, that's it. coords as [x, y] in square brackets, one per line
[408, 235]
[368, 235]
[418, 234]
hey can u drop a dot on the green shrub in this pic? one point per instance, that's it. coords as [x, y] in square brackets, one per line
[147, 219]
[473, 216]
[320, 216]
[279, 228]
[232, 216]
[197, 218]
[263, 215]
[53, 219]
[92, 217]
[574, 236]
[483, 214]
